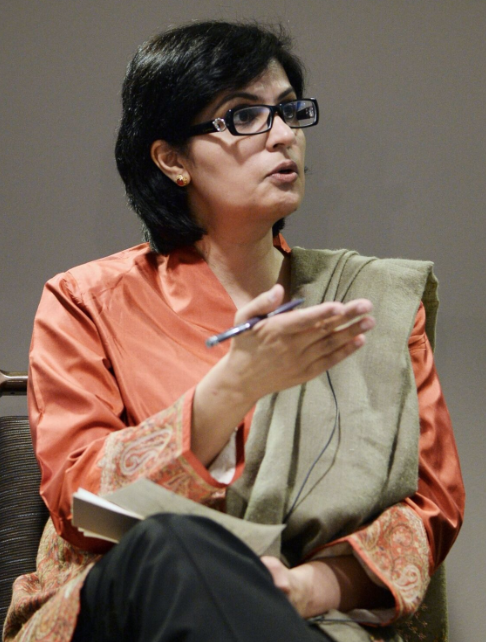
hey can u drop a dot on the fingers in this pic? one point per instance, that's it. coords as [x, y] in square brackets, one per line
[291, 348]
[325, 318]
[338, 331]
[340, 336]
[262, 304]
[351, 313]
[279, 573]
[329, 317]
[328, 355]
[322, 336]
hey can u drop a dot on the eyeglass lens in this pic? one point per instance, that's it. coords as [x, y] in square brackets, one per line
[257, 118]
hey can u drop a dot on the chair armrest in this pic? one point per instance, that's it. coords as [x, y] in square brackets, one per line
[13, 383]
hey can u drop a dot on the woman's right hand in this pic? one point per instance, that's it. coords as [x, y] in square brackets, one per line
[279, 352]
[294, 347]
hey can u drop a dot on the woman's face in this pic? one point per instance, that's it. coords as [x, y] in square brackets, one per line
[236, 180]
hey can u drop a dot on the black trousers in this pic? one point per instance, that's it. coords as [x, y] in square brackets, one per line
[176, 577]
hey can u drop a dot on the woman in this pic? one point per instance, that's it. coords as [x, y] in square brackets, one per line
[361, 469]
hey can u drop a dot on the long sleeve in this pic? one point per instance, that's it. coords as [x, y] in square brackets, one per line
[403, 546]
[440, 497]
[86, 431]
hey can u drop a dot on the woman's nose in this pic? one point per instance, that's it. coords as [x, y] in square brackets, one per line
[280, 133]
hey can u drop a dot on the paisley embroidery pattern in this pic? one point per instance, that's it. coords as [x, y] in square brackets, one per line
[395, 552]
[45, 603]
[143, 452]
[40, 610]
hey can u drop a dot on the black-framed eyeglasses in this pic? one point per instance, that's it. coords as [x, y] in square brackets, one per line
[250, 120]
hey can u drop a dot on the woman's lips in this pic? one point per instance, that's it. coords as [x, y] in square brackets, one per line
[286, 172]
[284, 177]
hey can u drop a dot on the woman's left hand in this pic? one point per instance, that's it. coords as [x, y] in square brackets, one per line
[320, 585]
[293, 584]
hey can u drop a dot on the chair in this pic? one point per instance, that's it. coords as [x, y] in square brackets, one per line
[22, 511]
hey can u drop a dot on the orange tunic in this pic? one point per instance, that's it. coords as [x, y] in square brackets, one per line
[117, 349]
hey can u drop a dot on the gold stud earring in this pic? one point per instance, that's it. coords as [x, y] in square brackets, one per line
[182, 181]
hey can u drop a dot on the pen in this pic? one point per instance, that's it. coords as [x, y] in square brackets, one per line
[248, 325]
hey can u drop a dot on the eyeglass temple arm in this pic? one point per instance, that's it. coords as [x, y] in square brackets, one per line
[203, 128]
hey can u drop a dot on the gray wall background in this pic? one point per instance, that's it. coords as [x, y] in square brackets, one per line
[398, 169]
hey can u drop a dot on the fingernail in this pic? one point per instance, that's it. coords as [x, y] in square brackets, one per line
[367, 324]
[363, 307]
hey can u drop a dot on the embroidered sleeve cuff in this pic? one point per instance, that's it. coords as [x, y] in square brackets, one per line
[159, 449]
[394, 552]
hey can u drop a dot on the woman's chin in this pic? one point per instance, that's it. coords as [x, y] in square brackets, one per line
[288, 205]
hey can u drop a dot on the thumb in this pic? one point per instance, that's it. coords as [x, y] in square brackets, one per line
[262, 304]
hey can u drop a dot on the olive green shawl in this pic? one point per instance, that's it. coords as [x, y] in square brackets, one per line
[371, 460]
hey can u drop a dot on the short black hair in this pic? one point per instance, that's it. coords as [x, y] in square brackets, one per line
[170, 80]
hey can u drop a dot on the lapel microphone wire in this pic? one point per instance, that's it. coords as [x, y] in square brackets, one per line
[337, 421]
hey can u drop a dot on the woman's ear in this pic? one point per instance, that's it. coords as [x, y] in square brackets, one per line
[169, 161]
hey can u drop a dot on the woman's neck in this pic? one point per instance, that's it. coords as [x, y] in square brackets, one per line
[245, 268]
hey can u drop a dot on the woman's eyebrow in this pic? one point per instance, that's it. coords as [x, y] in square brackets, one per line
[248, 96]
